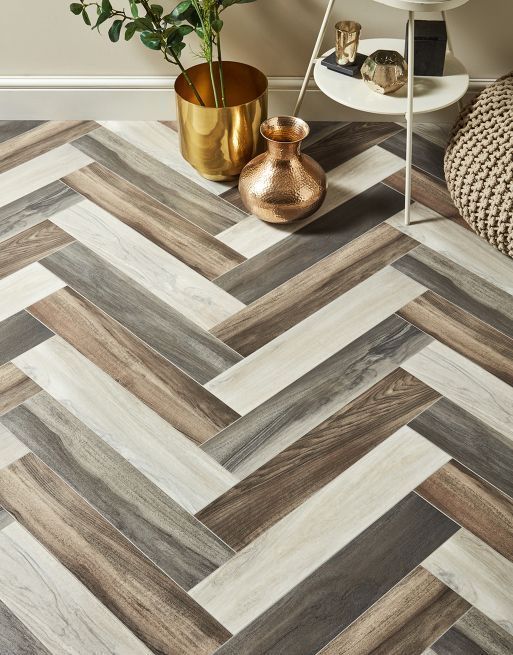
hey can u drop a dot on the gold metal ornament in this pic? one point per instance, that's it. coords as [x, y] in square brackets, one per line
[348, 38]
[283, 185]
[219, 142]
[385, 71]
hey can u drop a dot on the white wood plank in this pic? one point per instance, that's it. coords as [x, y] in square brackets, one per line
[163, 143]
[477, 573]
[277, 364]
[147, 441]
[251, 235]
[457, 244]
[65, 616]
[40, 171]
[466, 384]
[26, 286]
[290, 550]
[158, 271]
[11, 448]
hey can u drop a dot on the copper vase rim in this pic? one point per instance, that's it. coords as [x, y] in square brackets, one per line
[263, 79]
[349, 26]
[292, 129]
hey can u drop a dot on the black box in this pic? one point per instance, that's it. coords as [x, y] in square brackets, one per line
[353, 70]
[430, 47]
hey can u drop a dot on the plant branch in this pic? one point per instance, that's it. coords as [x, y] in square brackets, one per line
[177, 61]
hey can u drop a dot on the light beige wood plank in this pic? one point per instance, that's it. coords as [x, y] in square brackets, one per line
[351, 178]
[11, 448]
[478, 573]
[164, 455]
[25, 287]
[290, 550]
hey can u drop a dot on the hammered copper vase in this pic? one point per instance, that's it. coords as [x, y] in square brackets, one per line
[283, 184]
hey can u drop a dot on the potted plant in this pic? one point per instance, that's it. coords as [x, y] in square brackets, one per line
[220, 104]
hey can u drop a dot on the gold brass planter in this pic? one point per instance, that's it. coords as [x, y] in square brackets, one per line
[219, 142]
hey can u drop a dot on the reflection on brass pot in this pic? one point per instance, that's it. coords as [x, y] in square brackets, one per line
[385, 71]
[283, 185]
[219, 142]
[348, 37]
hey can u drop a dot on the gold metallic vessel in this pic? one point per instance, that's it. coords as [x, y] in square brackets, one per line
[283, 185]
[219, 142]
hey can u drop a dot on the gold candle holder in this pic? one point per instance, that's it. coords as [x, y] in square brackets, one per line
[348, 38]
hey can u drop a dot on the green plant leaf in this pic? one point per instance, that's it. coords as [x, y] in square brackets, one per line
[217, 25]
[130, 30]
[115, 30]
[76, 8]
[134, 10]
[200, 33]
[181, 8]
[158, 10]
[183, 30]
[102, 18]
[106, 6]
[151, 40]
[86, 18]
[144, 24]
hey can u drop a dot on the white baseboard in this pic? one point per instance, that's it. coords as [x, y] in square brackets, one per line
[152, 98]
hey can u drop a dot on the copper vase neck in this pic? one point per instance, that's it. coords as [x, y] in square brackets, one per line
[284, 135]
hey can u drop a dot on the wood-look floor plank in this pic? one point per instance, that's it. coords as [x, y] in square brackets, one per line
[11, 448]
[65, 616]
[19, 333]
[263, 433]
[466, 384]
[10, 129]
[159, 272]
[41, 139]
[150, 604]
[299, 297]
[453, 642]
[485, 633]
[252, 236]
[177, 191]
[15, 387]
[5, 518]
[459, 245]
[428, 156]
[25, 287]
[309, 246]
[166, 330]
[168, 535]
[158, 450]
[407, 619]
[254, 380]
[16, 638]
[240, 590]
[478, 573]
[474, 504]
[272, 491]
[33, 208]
[458, 285]
[31, 245]
[179, 399]
[462, 332]
[189, 243]
[39, 172]
[326, 601]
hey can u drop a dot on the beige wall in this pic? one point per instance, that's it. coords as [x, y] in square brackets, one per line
[44, 38]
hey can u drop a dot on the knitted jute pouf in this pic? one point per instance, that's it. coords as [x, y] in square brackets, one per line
[479, 164]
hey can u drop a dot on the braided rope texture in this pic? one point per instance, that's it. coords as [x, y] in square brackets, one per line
[479, 164]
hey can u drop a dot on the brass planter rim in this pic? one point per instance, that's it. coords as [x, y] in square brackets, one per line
[259, 73]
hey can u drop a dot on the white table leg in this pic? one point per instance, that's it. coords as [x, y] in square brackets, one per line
[450, 48]
[409, 116]
[314, 56]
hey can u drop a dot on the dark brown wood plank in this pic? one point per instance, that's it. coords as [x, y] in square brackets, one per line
[41, 139]
[302, 295]
[15, 387]
[427, 156]
[31, 245]
[167, 534]
[462, 332]
[287, 480]
[484, 632]
[189, 243]
[453, 642]
[474, 504]
[19, 333]
[146, 600]
[166, 389]
[328, 600]
[16, 638]
[405, 620]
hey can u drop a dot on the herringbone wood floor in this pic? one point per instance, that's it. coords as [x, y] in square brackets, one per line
[220, 436]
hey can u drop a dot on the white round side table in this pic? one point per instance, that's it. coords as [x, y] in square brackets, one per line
[422, 94]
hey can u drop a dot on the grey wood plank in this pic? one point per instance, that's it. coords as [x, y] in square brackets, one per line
[453, 642]
[287, 258]
[19, 333]
[427, 156]
[167, 534]
[182, 342]
[16, 638]
[340, 590]
[33, 208]
[5, 518]
[459, 286]
[490, 636]
[10, 129]
[188, 199]
[470, 441]
[258, 436]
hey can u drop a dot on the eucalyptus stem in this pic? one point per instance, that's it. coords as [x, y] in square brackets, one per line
[207, 49]
[177, 61]
[220, 64]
